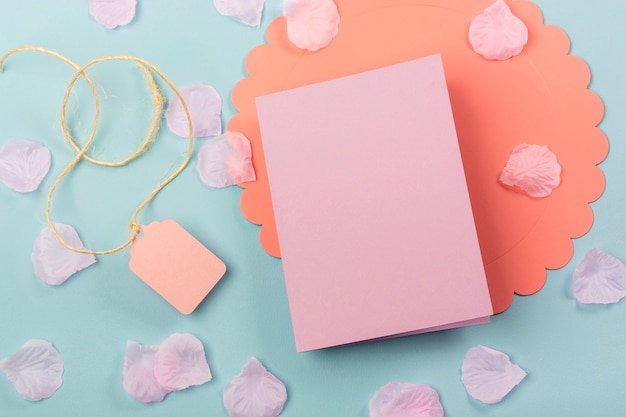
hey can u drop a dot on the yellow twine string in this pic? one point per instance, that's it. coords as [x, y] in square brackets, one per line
[82, 152]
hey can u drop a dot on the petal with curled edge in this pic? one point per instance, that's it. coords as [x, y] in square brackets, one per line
[113, 13]
[532, 168]
[489, 375]
[53, 262]
[400, 399]
[255, 392]
[311, 24]
[180, 362]
[226, 160]
[497, 33]
[138, 377]
[36, 370]
[23, 165]
[205, 108]
[248, 11]
[599, 279]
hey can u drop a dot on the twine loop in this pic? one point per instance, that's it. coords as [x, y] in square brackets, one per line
[81, 152]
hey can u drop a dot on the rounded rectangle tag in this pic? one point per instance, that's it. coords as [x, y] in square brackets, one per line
[176, 265]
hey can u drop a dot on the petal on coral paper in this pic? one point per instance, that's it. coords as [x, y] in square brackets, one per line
[248, 11]
[311, 24]
[180, 362]
[53, 262]
[255, 392]
[36, 370]
[489, 375]
[226, 160]
[497, 33]
[532, 168]
[599, 278]
[400, 399]
[113, 13]
[23, 165]
[138, 377]
[205, 107]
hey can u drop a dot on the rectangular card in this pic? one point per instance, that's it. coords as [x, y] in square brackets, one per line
[372, 210]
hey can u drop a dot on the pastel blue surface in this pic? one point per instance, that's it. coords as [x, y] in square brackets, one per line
[574, 355]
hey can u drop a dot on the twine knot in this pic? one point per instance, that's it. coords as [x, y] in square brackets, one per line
[135, 230]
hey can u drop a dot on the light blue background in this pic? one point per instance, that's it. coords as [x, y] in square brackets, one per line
[575, 356]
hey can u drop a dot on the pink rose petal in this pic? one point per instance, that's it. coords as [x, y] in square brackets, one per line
[138, 377]
[248, 11]
[399, 399]
[599, 278]
[23, 165]
[113, 13]
[311, 24]
[255, 392]
[226, 160]
[205, 106]
[53, 262]
[36, 370]
[497, 33]
[532, 168]
[180, 362]
[489, 375]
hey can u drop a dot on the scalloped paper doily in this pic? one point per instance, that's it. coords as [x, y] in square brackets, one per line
[539, 96]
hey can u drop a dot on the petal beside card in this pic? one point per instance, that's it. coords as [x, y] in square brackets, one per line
[372, 211]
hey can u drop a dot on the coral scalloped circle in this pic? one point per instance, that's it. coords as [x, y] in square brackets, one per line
[311, 24]
[113, 13]
[489, 375]
[599, 279]
[53, 262]
[205, 108]
[255, 392]
[532, 168]
[247, 11]
[544, 97]
[399, 399]
[180, 362]
[36, 370]
[23, 165]
[497, 33]
[138, 376]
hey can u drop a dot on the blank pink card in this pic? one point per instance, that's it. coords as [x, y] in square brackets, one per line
[372, 211]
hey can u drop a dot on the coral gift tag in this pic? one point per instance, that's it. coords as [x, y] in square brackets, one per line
[175, 264]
